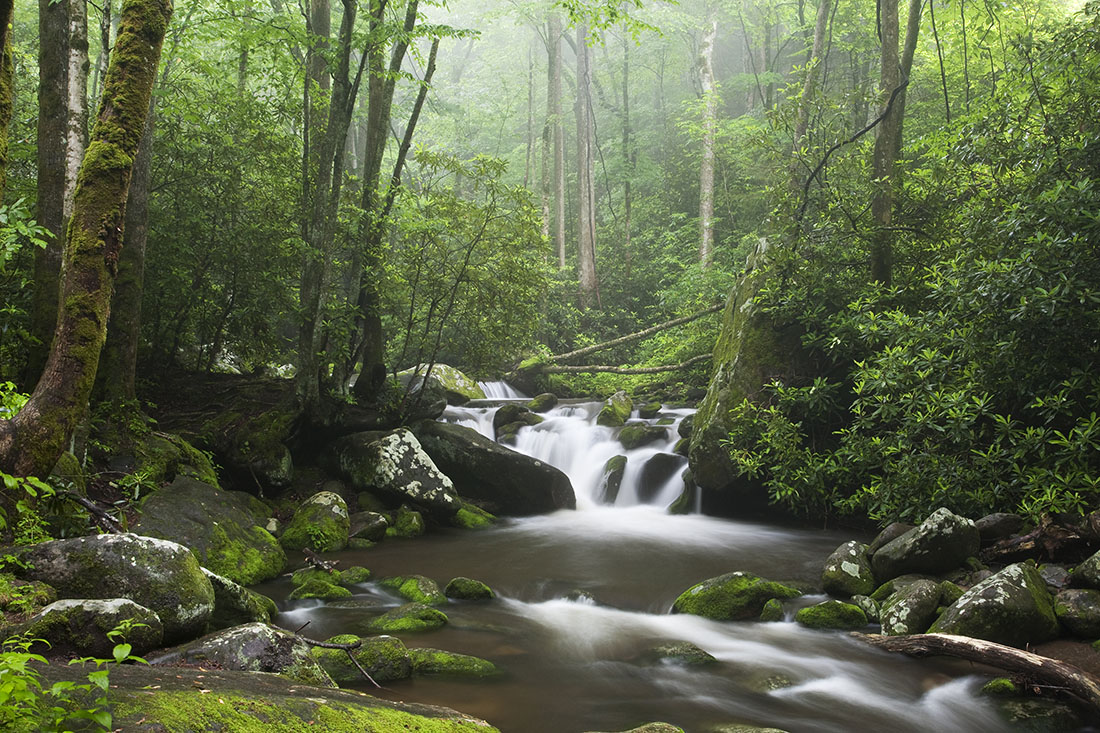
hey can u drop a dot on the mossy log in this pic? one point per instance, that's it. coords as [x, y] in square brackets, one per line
[1036, 668]
[31, 442]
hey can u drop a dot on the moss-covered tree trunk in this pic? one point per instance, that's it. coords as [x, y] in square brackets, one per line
[7, 10]
[31, 441]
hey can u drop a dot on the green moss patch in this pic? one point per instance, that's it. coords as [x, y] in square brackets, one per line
[731, 597]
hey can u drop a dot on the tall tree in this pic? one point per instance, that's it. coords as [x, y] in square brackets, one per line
[586, 195]
[7, 10]
[31, 442]
[554, 33]
[62, 134]
[710, 126]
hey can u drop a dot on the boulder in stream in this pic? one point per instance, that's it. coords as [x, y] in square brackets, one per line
[320, 523]
[1011, 607]
[612, 479]
[450, 664]
[658, 470]
[384, 657]
[415, 588]
[409, 617]
[468, 589]
[80, 627]
[682, 653]
[498, 479]
[543, 402]
[911, 610]
[832, 614]
[456, 386]
[1079, 611]
[731, 597]
[942, 542]
[847, 571]
[234, 604]
[636, 434]
[616, 410]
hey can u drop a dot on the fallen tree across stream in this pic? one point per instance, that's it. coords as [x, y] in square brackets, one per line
[1036, 669]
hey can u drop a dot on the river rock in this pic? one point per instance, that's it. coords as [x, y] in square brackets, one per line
[683, 653]
[160, 575]
[498, 479]
[731, 597]
[235, 605]
[1087, 574]
[468, 589]
[685, 426]
[942, 542]
[616, 410]
[847, 571]
[1011, 607]
[320, 523]
[513, 413]
[993, 527]
[384, 657]
[253, 447]
[911, 610]
[636, 434]
[252, 647]
[220, 527]
[543, 402]
[650, 410]
[1079, 611]
[889, 533]
[456, 386]
[396, 465]
[653, 728]
[80, 627]
[409, 617]
[773, 611]
[320, 589]
[832, 614]
[406, 523]
[367, 526]
[1056, 577]
[612, 479]
[870, 607]
[658, 470]
[415, 588]
[449, 664]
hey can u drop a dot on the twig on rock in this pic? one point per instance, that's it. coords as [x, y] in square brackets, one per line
[347, 650]
[109, 523]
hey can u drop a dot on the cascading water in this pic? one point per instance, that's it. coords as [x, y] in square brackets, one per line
[501, 391]
[579, 665]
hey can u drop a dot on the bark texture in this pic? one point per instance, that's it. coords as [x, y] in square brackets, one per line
[586, 197]
[7, 9]
[31, 442]
[710, 126]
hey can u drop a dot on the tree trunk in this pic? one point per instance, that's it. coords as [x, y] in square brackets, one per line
[894, 73]
[630, 158]
[586, 202]
[31, 442]
[554, 112]
[7, 10]
[809, 85]
[710, 124]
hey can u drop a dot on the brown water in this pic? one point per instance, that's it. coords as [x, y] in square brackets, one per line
[572, 666]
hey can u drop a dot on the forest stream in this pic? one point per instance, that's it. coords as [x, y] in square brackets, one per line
[582, 594]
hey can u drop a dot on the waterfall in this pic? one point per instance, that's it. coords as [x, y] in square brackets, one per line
[501, 391]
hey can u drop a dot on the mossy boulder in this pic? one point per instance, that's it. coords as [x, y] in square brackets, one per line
[1034, 715]
[384, 657]
[612, 479]
[888, 534]
[1078, 610]
[162, 457]
[218, 526]
[682, 653]
[80, 627]
[636, 434]
[514, 417]
[415, 588]
[438, 662]
[832, 614]
[543, 402]
[394, 465]
[731, 597]
[320, 589]
[657, 471]
[1087, 574]
[1011, 607]
[773, 611]
[942, 542]
[499, 479]
[911, 610]
[160, 575]
[254, 647]
[870, 607]
[353, 575]
[252, 447]
[320, 523]
[456, 386]
[999, 526]
[406, 523]
[468, 589]
[847, 571]
[752, 350]
[409, 617]
[22, 598]
[650, 410]
[653, 728]
[616, 410]
[368, 526]
[471, 516]
[234, 604]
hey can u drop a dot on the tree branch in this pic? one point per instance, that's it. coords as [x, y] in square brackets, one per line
[556, 369]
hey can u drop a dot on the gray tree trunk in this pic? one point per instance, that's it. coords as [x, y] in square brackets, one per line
[710, 124]
[586, 203]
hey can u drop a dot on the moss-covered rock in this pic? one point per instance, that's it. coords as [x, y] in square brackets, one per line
[683, 653]
[1032, 715]
[653, 728]
[253, 647]
[415, 588]
[636, 434]
[650, 410]
[1000, 687]
[685, 502]
[1078, 610]
[321, 523]
[832, 614]
[384, 657]
[367, 526]
[234, 604]
[888, 534]
[319, 588]
[21, 599]
[612, 479]
[912, 609]
[409, 617]
[1011, 607]
[543, 402]
[942, 542]
[1087, 574]
[146, 699]
[471, 516]
[731, 597]
[80, 627]
[450, 664]
[163, 576]
[616, 410]
[773, 611]
[870, 607]
[253, 447]
[514, 415]
[353, 575]
[458, 388]
[468, 589]
[406, 523]
[847, 571]
[162, 457]
[220, 527]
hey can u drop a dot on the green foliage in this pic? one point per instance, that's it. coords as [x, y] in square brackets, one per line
[19, 236]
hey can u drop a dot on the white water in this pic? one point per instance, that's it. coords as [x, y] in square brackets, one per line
[501, 391]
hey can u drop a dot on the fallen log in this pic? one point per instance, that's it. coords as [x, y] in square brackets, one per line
[1034, 667]
[561, 369]
[1050, 541]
